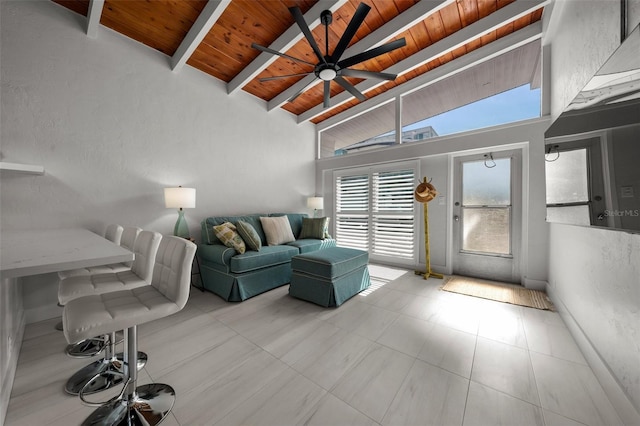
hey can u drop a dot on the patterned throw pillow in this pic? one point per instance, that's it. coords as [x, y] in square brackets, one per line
[249, 235]
[315, 228]
[227, 234]
[277, 230]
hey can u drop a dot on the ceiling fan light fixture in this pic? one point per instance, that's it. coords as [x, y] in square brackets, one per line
[327, 74]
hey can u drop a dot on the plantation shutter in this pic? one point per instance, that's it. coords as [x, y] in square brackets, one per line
[352, 211]
[393, 217]
[375, 212]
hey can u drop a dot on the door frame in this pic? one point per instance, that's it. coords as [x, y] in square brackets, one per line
[519, 153]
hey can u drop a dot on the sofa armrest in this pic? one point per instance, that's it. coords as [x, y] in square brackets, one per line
[216, 253]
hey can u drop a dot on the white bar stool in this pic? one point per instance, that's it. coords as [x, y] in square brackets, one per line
[69, 289]
[106, 313]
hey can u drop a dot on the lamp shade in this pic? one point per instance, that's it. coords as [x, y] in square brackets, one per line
[180, 197]
[316, 203]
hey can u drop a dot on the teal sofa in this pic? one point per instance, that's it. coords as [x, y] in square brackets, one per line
[237, 277]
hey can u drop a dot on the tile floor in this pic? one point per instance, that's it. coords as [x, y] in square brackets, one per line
[401, 353]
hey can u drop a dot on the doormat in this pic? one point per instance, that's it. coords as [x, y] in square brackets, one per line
[500, 292]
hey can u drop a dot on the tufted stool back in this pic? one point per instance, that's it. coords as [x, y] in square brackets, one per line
[114, 233]
[145, 249]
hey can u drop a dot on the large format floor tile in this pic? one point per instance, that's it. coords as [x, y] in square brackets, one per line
[403, 353]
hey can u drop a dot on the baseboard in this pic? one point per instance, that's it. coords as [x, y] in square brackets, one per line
[7, 380]
[534, 284]
[42, 313]
[627, 411]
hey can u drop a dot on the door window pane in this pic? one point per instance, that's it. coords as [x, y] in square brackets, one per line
[485, 186]
[575, 215]
[486, 230]
[567, 178]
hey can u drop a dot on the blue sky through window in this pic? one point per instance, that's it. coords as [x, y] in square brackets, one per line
[513, 105]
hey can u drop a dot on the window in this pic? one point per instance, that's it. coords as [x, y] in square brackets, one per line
[486, 207]
[375, 211]
[568, 187]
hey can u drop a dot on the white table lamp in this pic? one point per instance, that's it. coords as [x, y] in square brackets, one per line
[315, 203]
[180, 198]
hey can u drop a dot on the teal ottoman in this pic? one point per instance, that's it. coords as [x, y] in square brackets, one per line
[329, 277]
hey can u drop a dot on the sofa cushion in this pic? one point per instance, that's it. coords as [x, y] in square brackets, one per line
[315, 228]
[227, 234]
[295, 220]
[267, 256]
[249, 235]
[253, 219]
[312, 244]
[277, 229]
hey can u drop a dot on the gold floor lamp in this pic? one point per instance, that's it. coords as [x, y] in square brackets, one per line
[424, 193]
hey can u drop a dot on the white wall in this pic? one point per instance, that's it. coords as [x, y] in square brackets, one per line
[434, 162]
[593, 273]
[112, 125]
[594, 279]
[582, 35]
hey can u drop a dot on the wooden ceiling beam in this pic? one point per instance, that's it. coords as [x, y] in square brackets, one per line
[93, 17]
[476, 57]
[467, 34]
[397, 25]
[198, 31]
[283, 43]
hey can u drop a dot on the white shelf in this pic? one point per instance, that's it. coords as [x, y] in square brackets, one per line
[21, 168]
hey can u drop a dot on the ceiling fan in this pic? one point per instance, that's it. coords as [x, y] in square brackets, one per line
[330, 67]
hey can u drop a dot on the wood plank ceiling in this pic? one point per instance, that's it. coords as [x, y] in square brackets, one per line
[225, 50]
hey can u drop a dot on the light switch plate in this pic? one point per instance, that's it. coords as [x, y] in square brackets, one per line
[441, 200]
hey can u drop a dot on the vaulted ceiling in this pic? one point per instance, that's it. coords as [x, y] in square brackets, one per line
[215, 36]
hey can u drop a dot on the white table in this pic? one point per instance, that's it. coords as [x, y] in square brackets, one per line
[32, 252]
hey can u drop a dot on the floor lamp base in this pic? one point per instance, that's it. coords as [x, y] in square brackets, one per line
[429, 274]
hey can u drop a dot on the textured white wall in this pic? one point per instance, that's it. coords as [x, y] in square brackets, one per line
[593, 273]
[582, 34]
[112, 125]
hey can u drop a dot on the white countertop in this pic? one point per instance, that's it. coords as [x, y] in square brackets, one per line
[32, 252]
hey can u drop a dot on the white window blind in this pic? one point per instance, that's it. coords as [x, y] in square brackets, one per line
[375, 212]
[352, 211]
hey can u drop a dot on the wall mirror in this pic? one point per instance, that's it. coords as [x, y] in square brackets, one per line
[592, 157]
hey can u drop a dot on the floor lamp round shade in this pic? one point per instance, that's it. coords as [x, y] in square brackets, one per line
[180, 198]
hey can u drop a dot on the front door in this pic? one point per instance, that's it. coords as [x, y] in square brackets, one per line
[487, 216]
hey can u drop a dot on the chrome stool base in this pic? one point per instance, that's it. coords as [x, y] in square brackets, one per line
[86, 348]
[90, 347]
[148, 405]
[101, 375]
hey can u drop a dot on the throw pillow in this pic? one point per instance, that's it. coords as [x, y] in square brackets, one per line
[227, 234]
[249, 235]
[315, 228]
[277, 230]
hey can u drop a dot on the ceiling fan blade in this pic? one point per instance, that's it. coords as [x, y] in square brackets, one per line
[299, 92]
[297, 15]
[278, 77]
[350, 88]
[327, 93]
[369, 54]
[350, 31]
[367, 74]
[284, 55]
